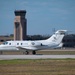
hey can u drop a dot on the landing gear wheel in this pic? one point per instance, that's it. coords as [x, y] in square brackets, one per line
[33, 52]
[27, 52]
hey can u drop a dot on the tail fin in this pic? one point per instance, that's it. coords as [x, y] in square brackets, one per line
[60, 45]
[57, 36]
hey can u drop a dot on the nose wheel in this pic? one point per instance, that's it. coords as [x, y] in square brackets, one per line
[26, 52]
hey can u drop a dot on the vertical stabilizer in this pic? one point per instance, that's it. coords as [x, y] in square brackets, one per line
[57, 36]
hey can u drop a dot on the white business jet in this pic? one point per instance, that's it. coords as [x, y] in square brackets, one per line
[55, 41]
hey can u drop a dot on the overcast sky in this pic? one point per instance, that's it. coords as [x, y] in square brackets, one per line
[42, 15]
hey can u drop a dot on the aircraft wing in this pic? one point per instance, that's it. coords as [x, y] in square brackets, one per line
[27, 48]
[22, 48]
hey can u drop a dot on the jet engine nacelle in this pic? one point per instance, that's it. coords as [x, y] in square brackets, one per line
[35, 44]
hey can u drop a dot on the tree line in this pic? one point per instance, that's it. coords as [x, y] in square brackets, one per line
[37, 37]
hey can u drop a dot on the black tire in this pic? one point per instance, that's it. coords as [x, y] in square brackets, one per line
[33, 52]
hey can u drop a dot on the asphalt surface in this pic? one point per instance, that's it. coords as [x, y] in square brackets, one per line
[9, 57]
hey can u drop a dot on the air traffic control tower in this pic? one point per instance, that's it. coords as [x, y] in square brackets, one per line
[20, 25]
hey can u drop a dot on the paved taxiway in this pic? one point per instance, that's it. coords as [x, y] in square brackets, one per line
[9, 57]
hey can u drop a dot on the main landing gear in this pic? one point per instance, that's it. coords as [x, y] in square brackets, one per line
[29, 52]
[33, 52]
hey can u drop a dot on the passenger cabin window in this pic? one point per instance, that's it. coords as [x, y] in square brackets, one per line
[9, 43]
[17, 43]
[21, 43]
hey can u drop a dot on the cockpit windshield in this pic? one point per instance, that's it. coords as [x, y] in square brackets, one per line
[5, 43]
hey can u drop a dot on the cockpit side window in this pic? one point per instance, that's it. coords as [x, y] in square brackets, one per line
[5, 43]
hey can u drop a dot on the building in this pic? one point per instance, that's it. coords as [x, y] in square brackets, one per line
[69, 40]
[20, 25]
[5, 38]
